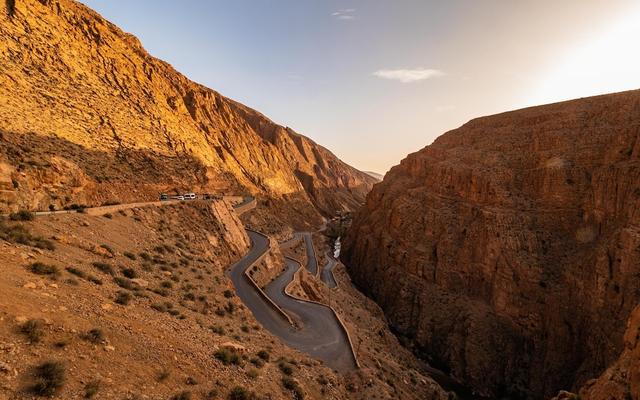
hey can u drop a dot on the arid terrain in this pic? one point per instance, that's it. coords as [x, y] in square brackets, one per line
[508, 251]
[501, 261]
[133, 300]
[88, 116]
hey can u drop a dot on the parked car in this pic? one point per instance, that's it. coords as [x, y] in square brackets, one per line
[190, 196]
[164, 197]
[180, 197]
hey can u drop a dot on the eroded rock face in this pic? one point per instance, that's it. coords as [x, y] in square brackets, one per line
[127, 125]
[508, 251]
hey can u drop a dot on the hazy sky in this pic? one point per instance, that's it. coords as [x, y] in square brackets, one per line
[374, 80]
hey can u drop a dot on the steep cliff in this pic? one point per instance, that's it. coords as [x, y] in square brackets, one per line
[508, 251]
[88, 116]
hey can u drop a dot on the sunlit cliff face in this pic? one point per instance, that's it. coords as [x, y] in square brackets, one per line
[607, 62]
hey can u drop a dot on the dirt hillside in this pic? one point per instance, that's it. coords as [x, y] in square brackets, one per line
[88, 116]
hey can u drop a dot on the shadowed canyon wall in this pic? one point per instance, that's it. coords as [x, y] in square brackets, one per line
[508, 251]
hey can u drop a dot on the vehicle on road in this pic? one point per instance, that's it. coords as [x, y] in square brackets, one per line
[180, 197]
[190, 196]
[164, 197]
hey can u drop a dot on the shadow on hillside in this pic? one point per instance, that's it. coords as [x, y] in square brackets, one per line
[122, 165]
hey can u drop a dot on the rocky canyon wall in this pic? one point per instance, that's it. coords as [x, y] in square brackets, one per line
[508, 251]
[88, 115]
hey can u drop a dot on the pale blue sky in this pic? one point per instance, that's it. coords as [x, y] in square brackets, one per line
[373, 80]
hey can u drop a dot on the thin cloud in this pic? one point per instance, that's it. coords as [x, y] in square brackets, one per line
[346, 14]
[408, 75]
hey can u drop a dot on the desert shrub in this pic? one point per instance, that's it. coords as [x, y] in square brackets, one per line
[111, 203]
[130, 255]
[145, 256]
[94, 336]
[244, 328]
[22, 215]
[159, 249]
[17, 233]
[108, 248]
[292, 385]
[124, 283]
[257, 362]
[230, 307]
[168, 248]
[39, 268]
[191, 381]
[159, 307]
[227, 356]
[241, 393]
[130, 273]
[33, 329]
[161, 292]
[217, 329]
[211, 394]
[94, 279]
[61, 343]
[77, 272]
[72, 281]
[91, 389]
[166, 284]
[285, 367]
[123, 297]
[49, 377]
[220, 312]
[43, 244]
[108, 216]
[253, 373]
[263, 354]
[185, 395]
[228, 294]
[104, 267]
[163, 375]
[323, 380]
[189, 296]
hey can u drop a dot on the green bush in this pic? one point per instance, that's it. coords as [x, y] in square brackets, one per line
[124, 283]
[130, 273]
[22, 215]
[285, 367]
[91, 389]
[77, 272]
[264, 355]
[227, 356]
[33, 329]
[123, 297]
[49, 377]
[292, 385]
[104, 267]
[43, 269]
[95, 336]
[185, 395]
[241, 393]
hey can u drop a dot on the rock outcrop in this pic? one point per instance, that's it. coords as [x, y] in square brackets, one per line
[508, 251]
[122, 124]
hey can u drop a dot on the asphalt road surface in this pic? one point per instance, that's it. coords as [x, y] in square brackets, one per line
[321, 335]
[312, 261]
[327, 272]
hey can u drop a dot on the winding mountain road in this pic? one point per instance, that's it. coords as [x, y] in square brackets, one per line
[320, 334]
[327, 272]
